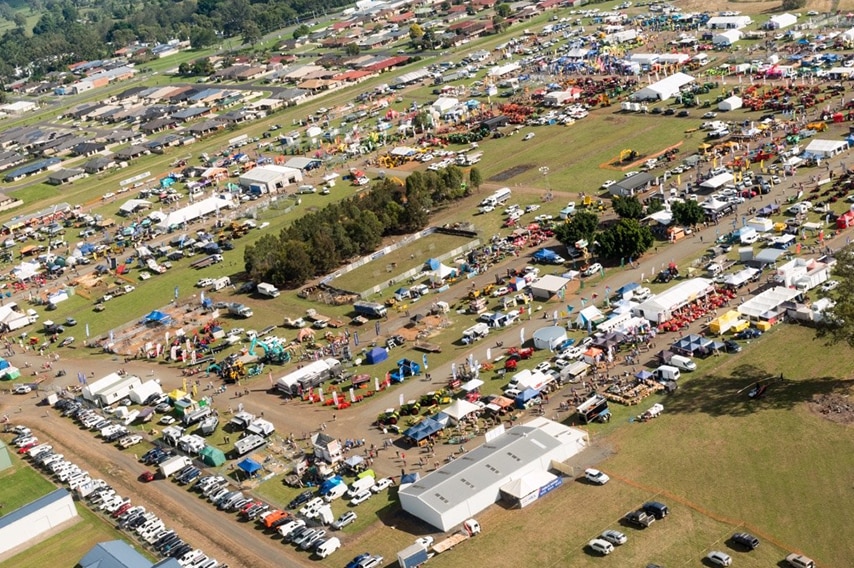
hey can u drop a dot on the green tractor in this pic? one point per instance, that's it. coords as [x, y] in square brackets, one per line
[411, 408]
[388, 418]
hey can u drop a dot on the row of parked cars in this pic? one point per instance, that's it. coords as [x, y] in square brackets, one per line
[143, 525]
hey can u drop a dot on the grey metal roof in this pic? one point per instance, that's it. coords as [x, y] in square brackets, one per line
[480, 468]
[114, 554]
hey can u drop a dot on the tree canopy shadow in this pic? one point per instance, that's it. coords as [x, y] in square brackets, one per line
[718, 395]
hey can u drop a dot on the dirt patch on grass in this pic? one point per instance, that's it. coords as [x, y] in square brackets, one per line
[512, 172]
[835, 407]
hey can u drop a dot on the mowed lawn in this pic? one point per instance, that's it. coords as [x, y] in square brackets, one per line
[398, 261]
[20, 484]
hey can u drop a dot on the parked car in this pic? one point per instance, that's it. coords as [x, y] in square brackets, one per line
[300, 499]
[528, 136]
[381, 485]
[603, 547]
[731, 346]
[22, 389]
[639, 519]
[656, 509]
[719, 558]
[614, 537]
[799, 561]
[596, 476]
[749, 333]
[344, 520]
[361, 497]
[593, 269]
[746, 540]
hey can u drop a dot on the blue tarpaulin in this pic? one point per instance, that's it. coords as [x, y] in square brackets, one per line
[250, 466]
[376, 355]
[423, 429]
[157, 317]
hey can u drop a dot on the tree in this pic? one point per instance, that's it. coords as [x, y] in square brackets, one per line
[628, 207]
[503, 10]
[582, 226]
[687, 213]
[20, 20]
[352, 49]
[837, 325]
[475, 178]
[793, 4]
[625, 239]
[251, 33]
[201, 37]
[184, 69]
[416, 32]
[301, 31]
[499, 23]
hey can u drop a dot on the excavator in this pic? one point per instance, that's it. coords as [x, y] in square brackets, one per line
[274, 351]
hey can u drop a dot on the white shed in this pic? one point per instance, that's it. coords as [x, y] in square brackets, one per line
[665, 89]
[825, 148]
[463, 488]
[780, 21]
[548, 287]
[444, 104]
[730, 103]
[145, 390]
[728, 22]
[727, 37]
[269, 178]
[30, 522]
[660, 308]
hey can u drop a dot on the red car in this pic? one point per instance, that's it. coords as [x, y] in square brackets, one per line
[23, 449]
[146, 476]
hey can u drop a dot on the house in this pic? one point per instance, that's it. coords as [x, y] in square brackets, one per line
[120, 554]
[327, 448]
[99, 164]
[206, 127]
[131, 153]
[64, 176]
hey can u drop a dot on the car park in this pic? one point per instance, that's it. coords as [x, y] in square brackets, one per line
[603, 547]
[596, 476]
[719, 558]
[745, 540]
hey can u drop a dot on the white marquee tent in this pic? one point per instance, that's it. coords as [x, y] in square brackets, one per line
[665, 89]
[660, 308]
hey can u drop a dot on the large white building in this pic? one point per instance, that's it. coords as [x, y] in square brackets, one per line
[270, 179]
[665, 89]
[466, 486]
[36, 518]
[660, 307]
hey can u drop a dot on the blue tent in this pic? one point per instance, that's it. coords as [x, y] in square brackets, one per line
[423, 429]
[376, 355]
[249, 466]
[625, 289]
[433, 264]
[158, 317]
[545, 255]
[327, 485]
[526, 395]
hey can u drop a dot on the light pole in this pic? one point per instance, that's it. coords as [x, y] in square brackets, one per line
[545, 171]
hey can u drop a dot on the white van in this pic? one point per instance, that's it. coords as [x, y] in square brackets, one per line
[361, 485]
[683, 363]
[336, 492]
[328, 547]
[667, 373]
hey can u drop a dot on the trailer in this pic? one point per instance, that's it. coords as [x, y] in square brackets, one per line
[240, 310]
[207, 261]
[268, 290]
[470, 528]
[174, 464]
[248, 444]
[428, 347]
[412, 556]
[594, 409]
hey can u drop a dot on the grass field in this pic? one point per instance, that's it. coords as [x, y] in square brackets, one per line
[398, 261]
[20, 484]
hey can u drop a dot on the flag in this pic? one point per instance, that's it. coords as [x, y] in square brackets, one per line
[569, 309]
[202, 296]
[87, 331]
[81, 377]
[176, 292]
[111, 336]
[400, 398]
[335, 398]
[352, 395]
[377, 327]
[376, 383]
[356, 338]
[522, 336]
[554, 315]
[489, 353]
[424, 360]
[454, 370]
[583, 302]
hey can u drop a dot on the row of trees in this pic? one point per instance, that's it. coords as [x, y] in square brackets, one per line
[68, 31]
[319, 242]
[626, 238]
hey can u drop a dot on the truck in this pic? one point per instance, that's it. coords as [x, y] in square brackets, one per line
[294, 323]
[268, 290]
[206, 261]
[469, 159]
[174, 464]
[370, 309]
[470, 528]
[245, 445]
[240, 310]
